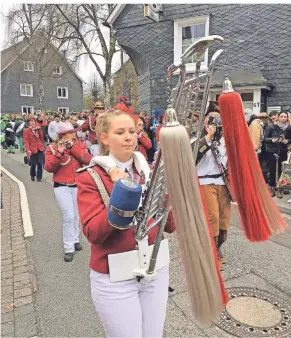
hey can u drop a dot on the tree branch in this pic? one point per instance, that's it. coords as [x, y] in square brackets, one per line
[83, 41]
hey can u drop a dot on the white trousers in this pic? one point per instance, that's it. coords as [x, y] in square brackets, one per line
[67, 200]
[131, 308]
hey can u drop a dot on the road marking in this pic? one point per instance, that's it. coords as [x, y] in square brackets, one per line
[26, 220]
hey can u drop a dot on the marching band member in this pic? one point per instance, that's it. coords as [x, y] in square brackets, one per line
[63, 158]
[127, 308]
[144, 143]
[34, 147]
[89, 126]
[124, 105]
[211, 163]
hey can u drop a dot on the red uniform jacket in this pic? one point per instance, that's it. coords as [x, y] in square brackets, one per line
[33, 143]
[86, 127]
[64, 167]
[159, 127]
[144, 143]
[105, 239]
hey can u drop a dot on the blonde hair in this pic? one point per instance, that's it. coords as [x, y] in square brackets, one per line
[196, 247]
[103, 124]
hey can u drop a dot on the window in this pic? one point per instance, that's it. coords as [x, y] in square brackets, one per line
[28, 66]
[63, 110]
[62, 92]
[27, 110]
[57, 70]
[247, 99]
[247, 96]
[26, 90]
[186, 32]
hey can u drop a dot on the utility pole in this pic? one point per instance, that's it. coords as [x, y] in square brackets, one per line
[121, 72]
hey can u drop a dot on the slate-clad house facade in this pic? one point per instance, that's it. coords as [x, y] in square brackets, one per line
[20, 81]
[257, 42]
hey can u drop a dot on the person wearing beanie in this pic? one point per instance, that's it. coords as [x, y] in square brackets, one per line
[62, 158]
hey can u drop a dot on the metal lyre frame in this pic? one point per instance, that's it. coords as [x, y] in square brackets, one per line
[182, 101]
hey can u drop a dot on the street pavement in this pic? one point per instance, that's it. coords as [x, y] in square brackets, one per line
[62, 300]
[17, 308]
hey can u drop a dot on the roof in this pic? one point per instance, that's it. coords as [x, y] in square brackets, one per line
[10, 54]
[115, 14]
[240, 77]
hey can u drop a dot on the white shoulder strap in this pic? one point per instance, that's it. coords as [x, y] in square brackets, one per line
[52, 149]
[100, 185]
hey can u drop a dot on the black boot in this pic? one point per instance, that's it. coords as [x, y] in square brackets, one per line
[78, 246]
[69, 256]
[221, 239]
[216, 246]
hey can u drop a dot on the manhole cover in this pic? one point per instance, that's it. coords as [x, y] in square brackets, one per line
[255, 313]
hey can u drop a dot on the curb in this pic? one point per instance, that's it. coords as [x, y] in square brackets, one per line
[26, 220]
[285, 210]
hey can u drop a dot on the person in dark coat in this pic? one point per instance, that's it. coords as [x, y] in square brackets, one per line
[10, 137]
[277, 138]
[18, 128]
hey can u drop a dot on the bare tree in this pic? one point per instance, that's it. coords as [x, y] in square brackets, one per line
[41, 26]
[129, 86]
[86, 21]
[95, 88]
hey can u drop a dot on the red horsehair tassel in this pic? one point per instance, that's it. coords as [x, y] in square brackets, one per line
[259, 214]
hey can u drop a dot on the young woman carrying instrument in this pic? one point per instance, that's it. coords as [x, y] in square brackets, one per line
[127, 308]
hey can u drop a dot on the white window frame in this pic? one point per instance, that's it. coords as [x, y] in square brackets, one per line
[62, 97]
[31, 108]
[31, 89]
[67, 110]
[178, 25]
[28, 69]
[60, 68]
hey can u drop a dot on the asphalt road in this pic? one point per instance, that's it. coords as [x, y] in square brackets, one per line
[63, 302]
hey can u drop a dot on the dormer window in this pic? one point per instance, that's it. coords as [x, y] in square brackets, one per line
[57, 70]
[28, 66]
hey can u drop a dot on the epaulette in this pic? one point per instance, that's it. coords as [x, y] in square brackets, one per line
[80, 170]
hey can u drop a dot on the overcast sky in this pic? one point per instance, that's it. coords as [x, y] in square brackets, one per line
[86, 67]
